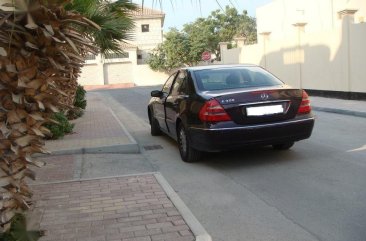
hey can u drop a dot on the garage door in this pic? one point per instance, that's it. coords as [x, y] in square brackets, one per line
[118, 73]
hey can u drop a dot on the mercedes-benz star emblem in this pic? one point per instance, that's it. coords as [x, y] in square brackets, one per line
[264, 96]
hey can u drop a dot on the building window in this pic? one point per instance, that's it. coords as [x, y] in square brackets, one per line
[139, 56]
[145, 27]
[117, 55]
[90, 57]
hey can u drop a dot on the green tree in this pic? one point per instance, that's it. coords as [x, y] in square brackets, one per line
[202, 35]
[230, 23]
[184, 48]
[174, 52]
[222, 26]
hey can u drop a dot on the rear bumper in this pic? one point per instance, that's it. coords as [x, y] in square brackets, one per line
[220, 139]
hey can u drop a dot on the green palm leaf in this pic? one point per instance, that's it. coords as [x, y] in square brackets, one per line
[114, 19]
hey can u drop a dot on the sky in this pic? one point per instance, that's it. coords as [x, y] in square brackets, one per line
[180, 12]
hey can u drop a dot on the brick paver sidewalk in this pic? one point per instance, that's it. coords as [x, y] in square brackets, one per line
[98, 128]
[125, 208]
[133, 208]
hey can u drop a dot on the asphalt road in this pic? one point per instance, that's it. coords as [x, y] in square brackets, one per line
[315, 191]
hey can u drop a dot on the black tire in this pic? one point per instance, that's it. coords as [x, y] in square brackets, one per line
[154, 127]
[187, 152]
[283, 146]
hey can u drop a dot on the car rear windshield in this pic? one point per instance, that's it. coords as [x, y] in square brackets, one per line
[234, 78]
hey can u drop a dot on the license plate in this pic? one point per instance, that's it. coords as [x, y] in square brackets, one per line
[264, 110]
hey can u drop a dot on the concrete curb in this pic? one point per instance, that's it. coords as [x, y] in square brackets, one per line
[122, 149]
[198, 230]
[91, 179]
[340, 111]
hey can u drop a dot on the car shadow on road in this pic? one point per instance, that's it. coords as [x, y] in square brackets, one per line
[249, 158]
[246, 157]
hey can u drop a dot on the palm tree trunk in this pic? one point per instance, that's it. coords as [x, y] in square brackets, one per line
[41, 55]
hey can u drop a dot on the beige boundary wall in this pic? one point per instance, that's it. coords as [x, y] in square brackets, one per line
[144, 76]
[99, 72]
[332, 59]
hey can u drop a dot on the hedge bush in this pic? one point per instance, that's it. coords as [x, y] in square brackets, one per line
[75, 113]
[63, 127]
[80, 98]
[18, 230]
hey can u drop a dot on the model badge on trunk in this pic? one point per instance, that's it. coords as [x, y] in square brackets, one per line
[227, 101]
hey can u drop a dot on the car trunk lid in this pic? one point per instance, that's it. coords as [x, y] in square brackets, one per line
[260, 105]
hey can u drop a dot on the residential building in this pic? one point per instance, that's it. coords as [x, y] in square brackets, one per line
[148, 33]
[129, 68]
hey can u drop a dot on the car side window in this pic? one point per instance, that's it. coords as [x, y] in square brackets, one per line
[168, 84]
[180, 85]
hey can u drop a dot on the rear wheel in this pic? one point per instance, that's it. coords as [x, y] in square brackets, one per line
[154, 126]
[187, 152]
[283, 146]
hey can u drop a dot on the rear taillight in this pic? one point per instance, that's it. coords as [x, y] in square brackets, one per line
[305, 107]
[212, 111]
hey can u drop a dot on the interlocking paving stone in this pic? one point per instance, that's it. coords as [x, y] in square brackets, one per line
[87, 210]
[96, 129]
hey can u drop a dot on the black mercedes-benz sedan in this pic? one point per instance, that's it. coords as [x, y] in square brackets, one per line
[222, 107]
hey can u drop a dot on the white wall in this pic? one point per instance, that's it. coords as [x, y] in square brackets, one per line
[232, 56]
[283, 63]
[320, 15]
[252, 54]
[100, 71]
[358, 57]
[329, 58]
[92, 74]
[120, 73]
[325, 61]
[144, 76]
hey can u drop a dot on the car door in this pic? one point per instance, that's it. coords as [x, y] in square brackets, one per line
[159, 103]
[175, 103]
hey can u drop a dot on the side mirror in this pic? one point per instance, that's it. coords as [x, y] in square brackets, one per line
[156, 93]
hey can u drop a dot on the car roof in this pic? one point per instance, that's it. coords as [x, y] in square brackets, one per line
[218, 66]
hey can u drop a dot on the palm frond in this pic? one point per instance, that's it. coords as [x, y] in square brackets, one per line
[114, 19]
